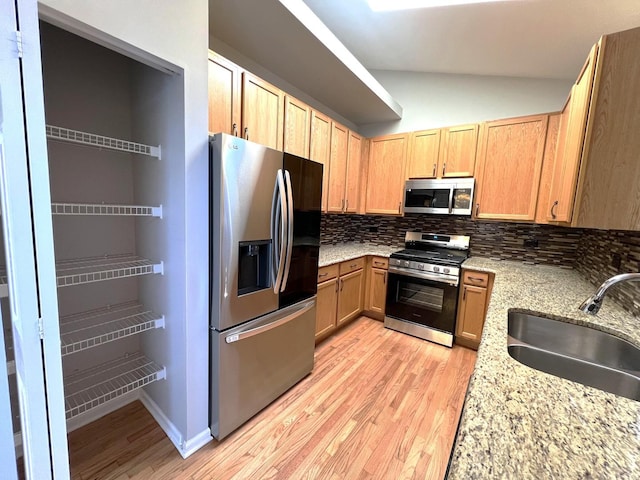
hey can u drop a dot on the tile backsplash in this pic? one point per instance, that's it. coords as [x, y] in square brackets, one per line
[604, 253]
[597, 254]
[555, 245]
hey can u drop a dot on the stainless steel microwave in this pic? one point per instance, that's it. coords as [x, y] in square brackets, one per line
[448, 196]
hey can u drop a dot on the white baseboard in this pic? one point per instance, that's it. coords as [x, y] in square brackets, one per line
[197, 442]
[102, 410]
[184, 447]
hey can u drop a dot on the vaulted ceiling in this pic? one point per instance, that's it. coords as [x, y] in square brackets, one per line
[328, 48]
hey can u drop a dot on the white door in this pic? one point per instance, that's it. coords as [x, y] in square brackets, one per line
[29, 279]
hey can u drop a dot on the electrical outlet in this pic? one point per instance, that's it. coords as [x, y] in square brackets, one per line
[616, 261]
[531, 242]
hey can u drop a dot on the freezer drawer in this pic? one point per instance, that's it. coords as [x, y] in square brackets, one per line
[255, 363]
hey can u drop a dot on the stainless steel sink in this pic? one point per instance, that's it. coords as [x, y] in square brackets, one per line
[582, 354]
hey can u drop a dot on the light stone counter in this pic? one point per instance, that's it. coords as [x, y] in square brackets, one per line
[520, 423]
[330, 254]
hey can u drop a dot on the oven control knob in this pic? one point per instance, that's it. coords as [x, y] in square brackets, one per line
[446, 270]
[436, 269]
[406, 263]
[421, 266]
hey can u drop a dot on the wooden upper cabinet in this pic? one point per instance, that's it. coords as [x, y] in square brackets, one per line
[386, 174]
[571, 141]
[548, 164]
[320, 149]
[338, 167]
[297, 126]
[424, 149]
[352, 181]
[510, 162]
[458, 157]
[224, 95]
[262, 111]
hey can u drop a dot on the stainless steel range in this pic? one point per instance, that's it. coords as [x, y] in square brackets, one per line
[422, 292]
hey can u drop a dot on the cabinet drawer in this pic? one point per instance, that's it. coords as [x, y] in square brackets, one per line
[380, 262]
[351, 265]
[479, 279]
[328, 272]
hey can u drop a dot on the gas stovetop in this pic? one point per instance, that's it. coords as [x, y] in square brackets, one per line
[434, 256]
[432, 253]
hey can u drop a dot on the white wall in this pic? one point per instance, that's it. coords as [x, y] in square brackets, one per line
[432, 100]
[175, 33]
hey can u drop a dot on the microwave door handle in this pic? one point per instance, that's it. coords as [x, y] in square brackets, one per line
[279, 214]
[289, 191]
[451, 200]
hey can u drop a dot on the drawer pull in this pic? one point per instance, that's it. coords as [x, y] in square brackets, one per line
[323, 274]
[476, 279]
[353, 265]
[379, 263]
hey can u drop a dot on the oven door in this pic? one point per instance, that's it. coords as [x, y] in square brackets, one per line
[422, 299]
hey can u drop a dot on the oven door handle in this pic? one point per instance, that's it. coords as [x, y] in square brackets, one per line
[424, 275]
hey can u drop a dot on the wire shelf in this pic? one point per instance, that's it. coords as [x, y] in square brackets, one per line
[86, 330]
[105, 209]
[95, 386]
[98, 269]
[100, 141]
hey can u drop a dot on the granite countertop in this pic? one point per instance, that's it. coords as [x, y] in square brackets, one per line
[330, 254]
[520, 423]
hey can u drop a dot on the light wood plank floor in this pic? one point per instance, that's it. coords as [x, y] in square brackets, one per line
[379, 404]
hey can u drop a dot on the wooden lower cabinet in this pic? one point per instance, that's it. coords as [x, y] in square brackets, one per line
[472, 307]
[326, 312]
[341, 294]
[376, 290]
[350, 296]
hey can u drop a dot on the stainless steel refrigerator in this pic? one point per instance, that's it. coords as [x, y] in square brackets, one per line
[265, 242]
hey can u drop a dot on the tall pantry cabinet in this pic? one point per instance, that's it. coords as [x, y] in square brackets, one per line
[108, 287]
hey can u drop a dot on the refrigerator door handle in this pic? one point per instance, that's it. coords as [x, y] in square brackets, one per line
[289, 229]
[236, 337]
[278, 216]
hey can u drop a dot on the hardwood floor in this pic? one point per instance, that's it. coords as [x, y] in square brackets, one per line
[379, 404]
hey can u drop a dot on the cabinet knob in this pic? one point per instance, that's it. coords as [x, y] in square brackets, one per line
[477, 209]
[246, 133]
[553, 213]
[234, 129]
[434, 170]
[399, 207]
[341, 284]
[444, 167]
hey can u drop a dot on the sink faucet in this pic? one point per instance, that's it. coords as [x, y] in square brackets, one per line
[592, 304]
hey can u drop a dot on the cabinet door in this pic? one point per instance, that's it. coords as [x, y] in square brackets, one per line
[338, 167]
[548, 165]
[458, 157]
[471, 313]
[377, 291]
[224, 95]
[385, 180]
[326, 307]
[574, 119]
[262, 112]
[320, 149]
[508, 180]
[297, 127]
[354, 162]
[350, 296]
[422, 160]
